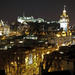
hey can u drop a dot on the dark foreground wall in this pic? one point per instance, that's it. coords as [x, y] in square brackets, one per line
[2, 72]
[58, 73]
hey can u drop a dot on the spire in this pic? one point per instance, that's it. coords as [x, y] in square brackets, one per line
[64, 7]
[64, 11]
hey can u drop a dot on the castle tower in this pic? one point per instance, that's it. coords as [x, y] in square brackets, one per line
[64, 20]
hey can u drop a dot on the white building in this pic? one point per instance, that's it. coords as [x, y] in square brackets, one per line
[64, 20]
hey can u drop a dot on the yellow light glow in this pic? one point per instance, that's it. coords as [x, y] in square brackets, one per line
[26, 59]
[44, 66]
[49, 70]
[12, 63]
[58, 35]
[27, 33]
[33, 49]
[34, 56]
[57, 49]
[70, 33]
[42, 56]
[63, 44]
[63, 33]
[43, 33]
[3, 38]
[48, 52]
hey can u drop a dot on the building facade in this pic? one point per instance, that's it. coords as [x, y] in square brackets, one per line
[4, 29]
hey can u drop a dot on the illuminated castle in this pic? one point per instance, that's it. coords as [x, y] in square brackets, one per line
[24, 19]
[64, 20]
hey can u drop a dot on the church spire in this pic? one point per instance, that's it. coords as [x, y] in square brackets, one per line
[64, 11]
[64, 7]
[64, 20]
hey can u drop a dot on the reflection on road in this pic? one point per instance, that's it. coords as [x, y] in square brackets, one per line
[26, 62]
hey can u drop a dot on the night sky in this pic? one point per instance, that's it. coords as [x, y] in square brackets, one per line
[47, 9]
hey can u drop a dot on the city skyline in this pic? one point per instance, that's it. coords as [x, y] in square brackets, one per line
[47, 9]
[37, 37]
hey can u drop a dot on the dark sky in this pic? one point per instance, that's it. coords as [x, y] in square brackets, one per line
[47, 9]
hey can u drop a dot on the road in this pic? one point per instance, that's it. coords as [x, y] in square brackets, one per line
[26, 62]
